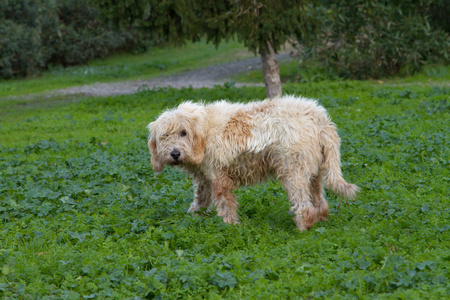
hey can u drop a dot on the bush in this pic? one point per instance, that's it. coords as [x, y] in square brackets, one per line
[18, 45]
[21, 50]
[83, 37]
[363, 39]
[36, 34]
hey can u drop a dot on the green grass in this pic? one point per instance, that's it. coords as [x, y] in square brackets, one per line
[155, 62]
[313, 71]
[83, 215]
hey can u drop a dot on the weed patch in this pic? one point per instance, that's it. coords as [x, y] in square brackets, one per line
[82, 214]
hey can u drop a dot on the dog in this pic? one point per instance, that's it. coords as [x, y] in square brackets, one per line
[228, 145]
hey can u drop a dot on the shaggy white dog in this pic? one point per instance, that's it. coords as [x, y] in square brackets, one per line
[226, 145]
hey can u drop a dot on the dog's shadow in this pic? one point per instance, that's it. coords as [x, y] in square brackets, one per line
[266, 204]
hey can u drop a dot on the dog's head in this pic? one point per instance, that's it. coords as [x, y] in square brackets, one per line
[177, 137]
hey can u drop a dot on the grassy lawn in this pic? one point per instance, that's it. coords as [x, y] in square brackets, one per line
[82, 214]
[312, 71]
[155, 62]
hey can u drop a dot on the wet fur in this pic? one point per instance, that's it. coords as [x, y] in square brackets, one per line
[228, 145]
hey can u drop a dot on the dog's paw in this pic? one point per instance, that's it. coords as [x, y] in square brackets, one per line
[199, 211]
[193, 209]
[230, 220]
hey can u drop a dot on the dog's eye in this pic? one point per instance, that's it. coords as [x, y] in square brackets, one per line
[183, 133]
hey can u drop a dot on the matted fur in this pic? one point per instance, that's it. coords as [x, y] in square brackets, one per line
[227, 145]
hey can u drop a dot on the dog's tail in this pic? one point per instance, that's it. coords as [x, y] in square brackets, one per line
[332, 165]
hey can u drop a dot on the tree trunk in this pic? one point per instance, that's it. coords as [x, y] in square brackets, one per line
[271, 71]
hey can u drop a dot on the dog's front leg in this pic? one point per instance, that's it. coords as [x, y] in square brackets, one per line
[203, 195]
[225, 200]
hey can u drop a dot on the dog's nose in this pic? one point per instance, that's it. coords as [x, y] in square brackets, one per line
[175, 154]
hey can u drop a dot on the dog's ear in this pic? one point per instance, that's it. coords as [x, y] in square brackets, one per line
[198, 147]
[156, 163]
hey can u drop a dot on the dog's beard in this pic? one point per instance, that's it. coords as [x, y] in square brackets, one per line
[175, 162]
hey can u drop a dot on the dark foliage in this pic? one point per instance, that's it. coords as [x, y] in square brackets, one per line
[370, 39]
[36, 34]
[252, 22]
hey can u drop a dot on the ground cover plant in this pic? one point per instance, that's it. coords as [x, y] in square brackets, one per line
[83, 215]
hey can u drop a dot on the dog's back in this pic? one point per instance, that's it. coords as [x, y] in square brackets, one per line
[251, 140]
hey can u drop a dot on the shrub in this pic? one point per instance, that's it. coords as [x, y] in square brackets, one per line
[370, 39]
[36, 34]
[21, 51]
[18, 45]
[83, 37]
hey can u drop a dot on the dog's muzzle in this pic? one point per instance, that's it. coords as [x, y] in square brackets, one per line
[175, 154]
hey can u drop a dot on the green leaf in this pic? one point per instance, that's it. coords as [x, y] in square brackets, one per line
[223, 280]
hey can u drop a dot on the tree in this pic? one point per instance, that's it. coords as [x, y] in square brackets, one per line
[264, 26]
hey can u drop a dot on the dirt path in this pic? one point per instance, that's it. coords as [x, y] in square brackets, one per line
[203, 77]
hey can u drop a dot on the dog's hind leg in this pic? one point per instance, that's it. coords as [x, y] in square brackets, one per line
[225, 200]
[318, 199]
[296, 179]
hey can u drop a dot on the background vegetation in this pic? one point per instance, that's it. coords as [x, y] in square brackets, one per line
[357, 39]
[363, 39]
[82, 215]
[157, 61]
[37, 34]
